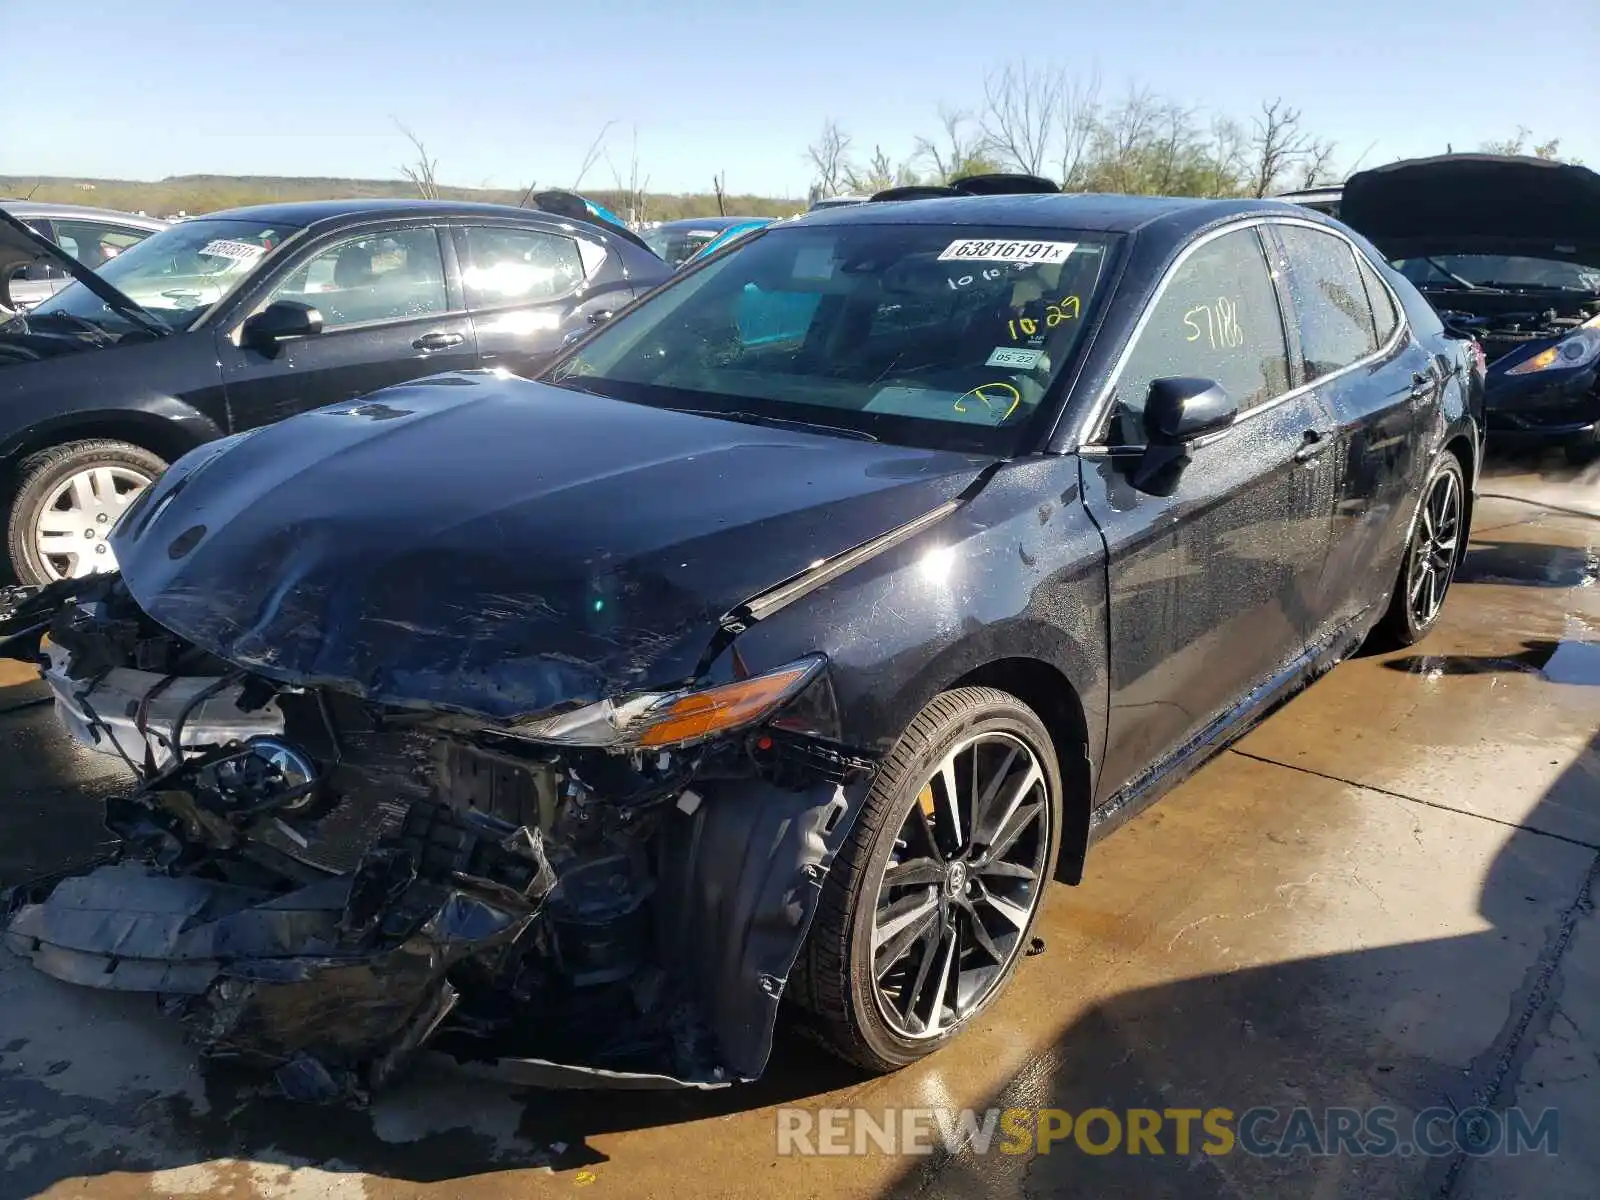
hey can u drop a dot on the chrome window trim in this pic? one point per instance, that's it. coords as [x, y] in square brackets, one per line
[1100, 412]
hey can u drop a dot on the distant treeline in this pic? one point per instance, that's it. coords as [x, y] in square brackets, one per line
[207, 193]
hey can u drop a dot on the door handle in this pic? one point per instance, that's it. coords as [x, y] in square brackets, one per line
[438, 340]
[1313, 445]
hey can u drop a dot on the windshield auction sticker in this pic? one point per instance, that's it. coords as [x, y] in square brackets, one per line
[981, 250]
[227, 248]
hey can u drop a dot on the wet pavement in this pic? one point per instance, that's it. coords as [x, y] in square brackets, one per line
[1381, 897]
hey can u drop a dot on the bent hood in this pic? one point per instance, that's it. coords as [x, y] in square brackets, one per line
[1477, 204]
[494, 546]
[21, 246]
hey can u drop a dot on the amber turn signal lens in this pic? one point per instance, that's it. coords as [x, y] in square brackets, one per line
[715, 710]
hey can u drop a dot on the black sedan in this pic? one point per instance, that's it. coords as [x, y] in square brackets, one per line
[785, 638]
[235, 319]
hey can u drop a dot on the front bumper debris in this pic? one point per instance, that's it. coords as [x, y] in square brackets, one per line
[324, 887]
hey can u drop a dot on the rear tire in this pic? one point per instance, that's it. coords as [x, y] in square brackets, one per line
[986, 872]
[1438, 540]
[112, 473]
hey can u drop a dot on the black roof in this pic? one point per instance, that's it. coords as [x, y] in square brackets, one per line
[307, 212]
[1083, 211]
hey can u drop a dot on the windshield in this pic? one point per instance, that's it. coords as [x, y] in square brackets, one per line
[174, 275]
[678, 245]
[1498, 271]
[928, 335]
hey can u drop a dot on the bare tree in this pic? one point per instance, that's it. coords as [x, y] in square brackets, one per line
[959, 149]
[595, 152]
[635, 191]
[1316, 164]
[1018, 117]
[421, 173]
[1121, 139]
[719, 185]
[1519, 145]
[829, 156]
[1172, 149]
[1225, 156]
[1076, 116]
[1278, 143]
[880, 174]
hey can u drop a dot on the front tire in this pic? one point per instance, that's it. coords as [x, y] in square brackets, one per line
[67, 500]
[930, 902]
[1438, 540]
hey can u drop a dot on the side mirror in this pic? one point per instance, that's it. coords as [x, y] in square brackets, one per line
[1178, 412]
[1181, 410]
[277, 322]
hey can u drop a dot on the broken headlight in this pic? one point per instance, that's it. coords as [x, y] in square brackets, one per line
[658, 720]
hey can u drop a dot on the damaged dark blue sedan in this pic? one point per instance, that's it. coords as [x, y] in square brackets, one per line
[781, 641]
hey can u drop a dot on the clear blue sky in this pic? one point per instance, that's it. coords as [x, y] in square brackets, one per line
[503, 92]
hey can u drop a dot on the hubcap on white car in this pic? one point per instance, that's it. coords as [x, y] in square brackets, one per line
[78, 517]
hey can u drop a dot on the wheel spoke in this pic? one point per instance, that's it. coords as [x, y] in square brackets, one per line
[54, 521]
[1427, 520]
[1006, 870]
[930, 951]
[1009, 909]
[899, 926]
[948, 800]
[1012, 830]
[1424, 569]
[917, 872]
[980, 933]
[1030, 779]
[984, 800]
[942, 983]
[922, 840]
[82, 487]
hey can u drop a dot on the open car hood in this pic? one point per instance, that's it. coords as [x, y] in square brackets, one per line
[1477, 204]
[21, 246]
[500, 547]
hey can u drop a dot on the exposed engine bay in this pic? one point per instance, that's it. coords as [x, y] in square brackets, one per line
[1504, 321]
[323, 886]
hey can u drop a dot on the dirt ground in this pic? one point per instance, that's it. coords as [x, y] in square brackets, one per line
[1380, 897]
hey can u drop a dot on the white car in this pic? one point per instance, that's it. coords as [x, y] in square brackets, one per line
[90, 235]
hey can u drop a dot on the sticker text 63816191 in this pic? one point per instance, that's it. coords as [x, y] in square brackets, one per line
[989, 250]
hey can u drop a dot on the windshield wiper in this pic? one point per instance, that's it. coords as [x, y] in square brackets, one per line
[751, 418]
[1446, 271]
[73, 320]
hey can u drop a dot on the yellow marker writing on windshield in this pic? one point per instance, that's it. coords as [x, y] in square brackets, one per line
[993, 395]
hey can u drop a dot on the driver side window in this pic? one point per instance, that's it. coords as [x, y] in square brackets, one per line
[389, 276]
[1218, 318]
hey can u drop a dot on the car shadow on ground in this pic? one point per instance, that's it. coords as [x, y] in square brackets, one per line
[1358, 1030]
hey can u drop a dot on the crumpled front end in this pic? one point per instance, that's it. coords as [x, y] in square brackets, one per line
[323, 886]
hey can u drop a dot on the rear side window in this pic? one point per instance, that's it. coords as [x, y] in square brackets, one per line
[94, 243]
[516, 266]
[1330, 301]
[1383, 310]
[1218, 318]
